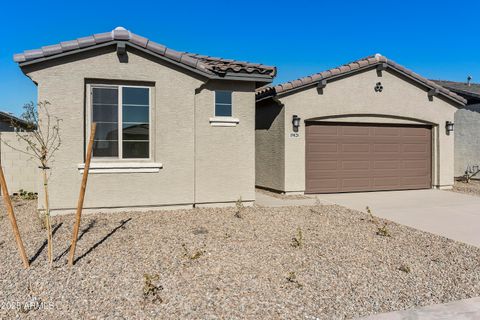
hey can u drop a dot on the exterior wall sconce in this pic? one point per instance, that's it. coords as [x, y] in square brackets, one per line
[449, 126]
[296, 122]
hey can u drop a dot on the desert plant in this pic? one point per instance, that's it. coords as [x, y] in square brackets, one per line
[405, 268]
[26, 195]
[382, 229]
[239, 208]
[150, 289]
[292, 278]
[42, 139]
[297, 241]
[192, 256]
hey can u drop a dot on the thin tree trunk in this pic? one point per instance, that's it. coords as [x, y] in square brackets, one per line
[81, 197]
[13, 221]
[47, 217]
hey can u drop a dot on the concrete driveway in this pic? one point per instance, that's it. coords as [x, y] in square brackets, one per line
[450, 214]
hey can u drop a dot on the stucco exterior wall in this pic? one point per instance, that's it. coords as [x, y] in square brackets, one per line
[467, 140]
[225, 166]
[20, 170]
[270, 146]
[353, 99]
[173, 134]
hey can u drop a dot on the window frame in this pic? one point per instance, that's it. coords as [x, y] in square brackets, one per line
[89, 120]
[215, 103]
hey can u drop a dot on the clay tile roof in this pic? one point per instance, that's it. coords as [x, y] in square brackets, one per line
[367, 62]
[205, 64]
[464, 89]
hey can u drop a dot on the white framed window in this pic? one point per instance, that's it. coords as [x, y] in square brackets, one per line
[123, 117]
[223, 103]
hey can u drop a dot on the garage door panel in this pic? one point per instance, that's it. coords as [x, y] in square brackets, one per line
[355, 147]
[386, 164]
[416, 164]
[387, 182]
[387, 131]
[386, 147]
[323, 147]
[355, 131]
[355, 165]
[367, 157]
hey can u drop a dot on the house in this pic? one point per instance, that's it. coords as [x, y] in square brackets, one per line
[19, 168]
[365, 126]
[8, 123]
[467, 127]
[174, 129]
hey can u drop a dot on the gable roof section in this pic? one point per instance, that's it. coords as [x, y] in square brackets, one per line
[352, 68]
[211, 67]
[464, 89]
[10, 118]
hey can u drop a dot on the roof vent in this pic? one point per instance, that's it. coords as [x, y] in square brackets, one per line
[120, 28]
[469, 80]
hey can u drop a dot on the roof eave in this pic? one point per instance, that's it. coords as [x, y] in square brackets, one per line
[461, 101]
[228, 76]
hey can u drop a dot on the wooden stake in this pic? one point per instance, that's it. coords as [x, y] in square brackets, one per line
[13, 221]
[81, 197]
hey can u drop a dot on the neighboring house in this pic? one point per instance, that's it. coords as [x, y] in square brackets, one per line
[19, 168]
[7, 121]
[174, 129]
[364, 126]
[467, 127]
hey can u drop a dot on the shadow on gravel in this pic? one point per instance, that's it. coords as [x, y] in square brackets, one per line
[121, 226]
[84, 231]
[39, 251]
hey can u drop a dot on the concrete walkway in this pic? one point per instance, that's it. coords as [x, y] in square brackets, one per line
[449, 214]
[458, 310]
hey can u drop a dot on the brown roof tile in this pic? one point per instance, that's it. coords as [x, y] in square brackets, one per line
[367, 62]
[206, 64]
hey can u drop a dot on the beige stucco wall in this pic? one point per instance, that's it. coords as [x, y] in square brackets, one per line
[173, 135]
[20, 169]
[225, 166]
[270, 146]
[353, 99]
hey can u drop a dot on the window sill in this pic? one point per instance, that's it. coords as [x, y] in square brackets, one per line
[122, 167]
[224, 122]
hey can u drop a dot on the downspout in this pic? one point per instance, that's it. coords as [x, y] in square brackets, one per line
[197, 92]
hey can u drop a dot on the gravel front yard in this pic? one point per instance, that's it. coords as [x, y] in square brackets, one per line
[472, 188]
[210, 264]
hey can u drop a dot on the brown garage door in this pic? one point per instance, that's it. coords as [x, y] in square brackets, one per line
[343, 157]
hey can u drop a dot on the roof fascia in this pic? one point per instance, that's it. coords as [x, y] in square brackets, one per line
[349, 73]
[227, 76]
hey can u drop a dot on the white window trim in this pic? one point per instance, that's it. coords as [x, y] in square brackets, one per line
[121, 167]
[89, 115]
[222, 121]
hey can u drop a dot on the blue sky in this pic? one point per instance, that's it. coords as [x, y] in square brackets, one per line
[439, 40]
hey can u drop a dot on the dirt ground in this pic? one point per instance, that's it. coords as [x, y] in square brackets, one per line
[472, 188]
[325, 262]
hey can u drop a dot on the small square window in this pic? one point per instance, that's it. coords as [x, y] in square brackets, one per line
[223, 103]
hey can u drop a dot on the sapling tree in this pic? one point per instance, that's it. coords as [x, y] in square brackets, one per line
[40, 134]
